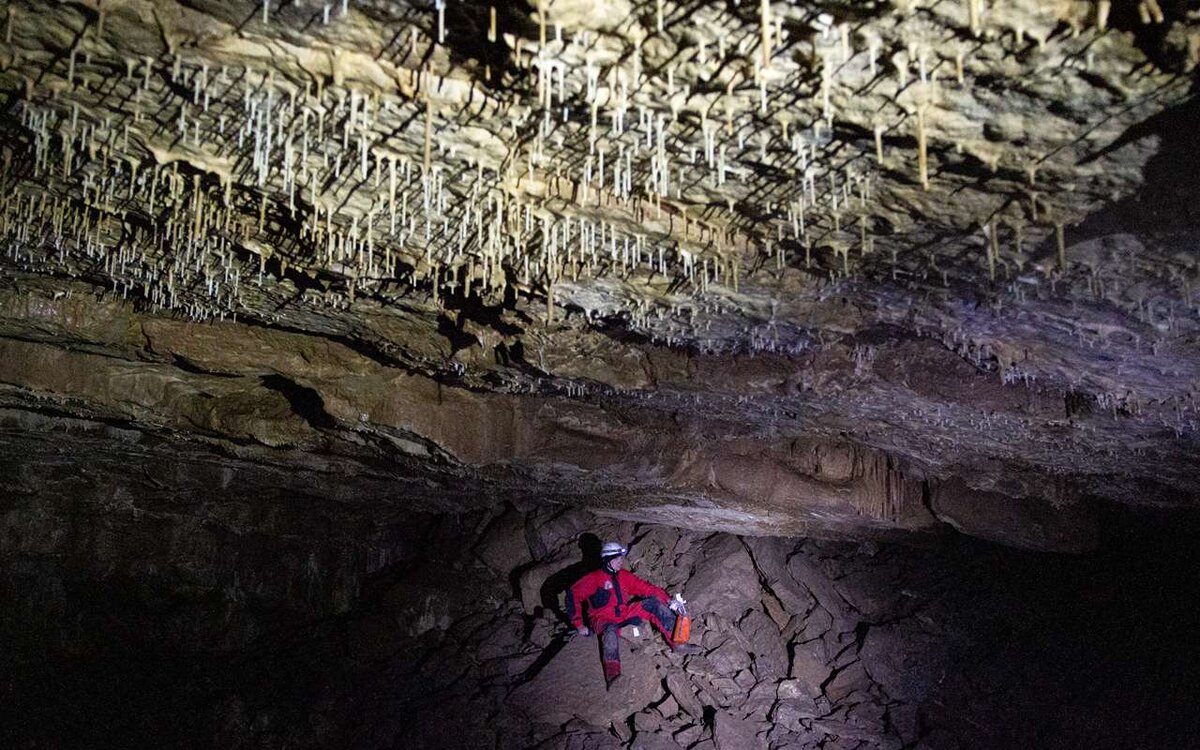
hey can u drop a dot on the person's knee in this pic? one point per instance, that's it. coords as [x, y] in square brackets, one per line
[658, 610]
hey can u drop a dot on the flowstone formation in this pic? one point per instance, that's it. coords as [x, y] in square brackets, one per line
[841, 268]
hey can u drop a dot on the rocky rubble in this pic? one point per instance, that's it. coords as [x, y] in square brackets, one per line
[458, 641]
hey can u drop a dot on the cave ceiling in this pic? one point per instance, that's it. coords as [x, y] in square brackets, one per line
[846, 267]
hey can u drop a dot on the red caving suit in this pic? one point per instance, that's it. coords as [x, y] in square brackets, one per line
[604, 598]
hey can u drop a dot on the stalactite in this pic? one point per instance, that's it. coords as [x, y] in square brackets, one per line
[922, 156]
[1060, 242]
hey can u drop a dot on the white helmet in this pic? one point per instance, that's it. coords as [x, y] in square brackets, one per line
[613, 549]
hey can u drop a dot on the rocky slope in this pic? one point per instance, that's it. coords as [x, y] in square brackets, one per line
[272, 622]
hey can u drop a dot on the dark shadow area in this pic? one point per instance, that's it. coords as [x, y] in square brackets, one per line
[557, 584]
[305, 401]
[1169, 200]
[550, 596]
[1099, 648]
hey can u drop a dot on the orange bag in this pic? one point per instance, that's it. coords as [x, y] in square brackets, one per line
[683, 629]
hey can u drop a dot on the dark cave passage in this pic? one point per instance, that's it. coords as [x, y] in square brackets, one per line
[446, 640]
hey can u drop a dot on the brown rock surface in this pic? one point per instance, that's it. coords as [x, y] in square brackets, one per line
[886, 250]
[571, 686]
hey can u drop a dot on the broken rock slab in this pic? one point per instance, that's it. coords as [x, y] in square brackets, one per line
[725, 582]
[572, 686]
[733, 733]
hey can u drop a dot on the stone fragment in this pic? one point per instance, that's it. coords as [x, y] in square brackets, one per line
[689, 735]
[729, 658]
[793, 708]
[622, 730]
[810, 666]
[767, 648]
[759, 699]
[647, 721]
[669, 707]
[808, 572]
[846, 682]
[683, 693]
[503, 547]
[745, 680]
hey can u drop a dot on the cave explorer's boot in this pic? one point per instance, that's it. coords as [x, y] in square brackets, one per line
[612, 673]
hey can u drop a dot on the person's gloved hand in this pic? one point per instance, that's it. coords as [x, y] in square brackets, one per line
[584, 631]
[677, 603]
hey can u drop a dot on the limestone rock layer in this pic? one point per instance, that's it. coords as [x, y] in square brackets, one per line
[809, 268]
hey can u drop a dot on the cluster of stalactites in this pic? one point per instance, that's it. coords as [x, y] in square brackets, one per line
[605, 163]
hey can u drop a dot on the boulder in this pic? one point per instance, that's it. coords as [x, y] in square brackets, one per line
[766, 645]
[791, 713]
[847, 682]
[647, 721]
[770, 557]
[810, 666]
[725, 581]
[729, 658]
[806, 569]
[669, 707]
[816, 624]
[681, 690]
[503, 547]
[795, 700]
[759, 699]
[689, 735]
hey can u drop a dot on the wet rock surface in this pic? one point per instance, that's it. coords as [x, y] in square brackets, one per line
[421, 635]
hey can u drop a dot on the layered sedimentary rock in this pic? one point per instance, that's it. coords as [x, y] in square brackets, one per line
[258, 399]
[807, 269]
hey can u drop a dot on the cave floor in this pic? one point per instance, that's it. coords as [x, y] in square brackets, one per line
[805, 644]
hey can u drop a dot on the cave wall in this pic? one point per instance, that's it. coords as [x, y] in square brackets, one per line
[329, 406]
